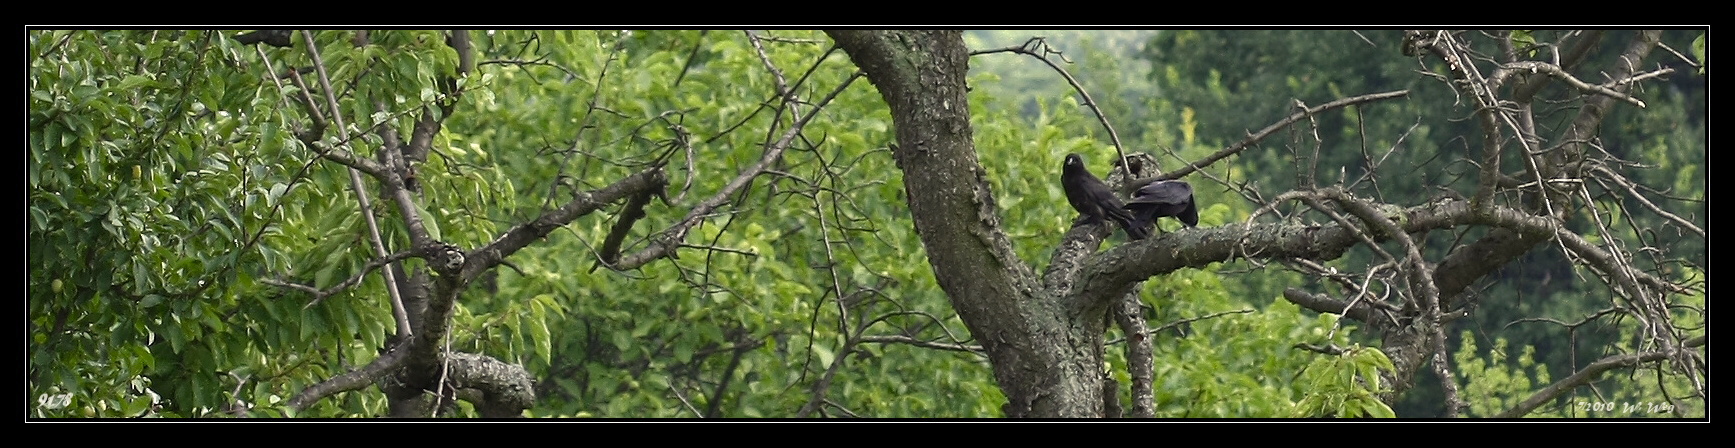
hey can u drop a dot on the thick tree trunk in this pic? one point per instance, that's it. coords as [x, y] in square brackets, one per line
[1046, 353]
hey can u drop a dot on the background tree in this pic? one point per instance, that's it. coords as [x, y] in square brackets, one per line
[1046, 334]
[1519, 298]
[693, 223]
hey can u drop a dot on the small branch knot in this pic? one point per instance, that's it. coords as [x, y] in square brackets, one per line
[447, 259]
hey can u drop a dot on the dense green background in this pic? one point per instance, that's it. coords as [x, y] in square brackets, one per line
[164, 183]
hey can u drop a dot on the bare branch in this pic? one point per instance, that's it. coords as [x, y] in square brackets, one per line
[352, 380]
[631, 213]
[360, 189]
[582, 203]
[1361, 311]
[1633, 193]
[683, 398]
[666, 243]
[320, 295]
[906, 340]
[1031, 48]
[1171, 325]
[1256, 137]
[1552, 70]
[1590, 373]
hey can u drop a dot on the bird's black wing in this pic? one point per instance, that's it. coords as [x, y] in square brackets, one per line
[1163, 198]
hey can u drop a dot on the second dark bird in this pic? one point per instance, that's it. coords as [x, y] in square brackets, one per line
[1163, 198]
[1095, 200]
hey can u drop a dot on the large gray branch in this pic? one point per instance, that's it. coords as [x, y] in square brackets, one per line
[352, 380]
[1590, 373]
[1137, 261]
[583, 203]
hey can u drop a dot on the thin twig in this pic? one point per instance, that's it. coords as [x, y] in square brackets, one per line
[1030, 48]
[361, 194]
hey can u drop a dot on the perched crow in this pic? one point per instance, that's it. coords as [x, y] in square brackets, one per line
[1163, 198]
[275, 38]
[1094, 200]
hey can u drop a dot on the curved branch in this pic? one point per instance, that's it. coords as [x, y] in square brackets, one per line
[352, 380]
[1189, 320]
[1026, 49]
[583, 203]
[1360, 310]
[1198, 248]
[1554, 71]
[319, 294]
[1590, 373]
[1261, 135]
[505, 389]
[1633, 192]
[901, 339]
[665, 244]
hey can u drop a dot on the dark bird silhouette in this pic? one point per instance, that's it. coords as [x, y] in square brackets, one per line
[275, 38]
[1094, 200]
[1163, 198]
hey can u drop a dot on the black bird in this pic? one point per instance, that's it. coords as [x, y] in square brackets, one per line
[1094, 200]
[1163, 198]
[275, 38]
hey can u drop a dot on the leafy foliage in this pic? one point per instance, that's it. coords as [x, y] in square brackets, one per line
[167, 191]
[1345, 386]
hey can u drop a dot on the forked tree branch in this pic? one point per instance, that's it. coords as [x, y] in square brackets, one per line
[1259, 136]
[1591, 373]
[665, 244]
[1030, 48]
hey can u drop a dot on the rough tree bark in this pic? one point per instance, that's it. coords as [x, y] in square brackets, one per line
[1044, 344]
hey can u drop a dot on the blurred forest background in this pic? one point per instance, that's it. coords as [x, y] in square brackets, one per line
[180, 225]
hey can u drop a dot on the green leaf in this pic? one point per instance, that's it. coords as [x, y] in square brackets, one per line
[201, 388]
[351, 323]
[133, 82]
[277, 190]
[1376, 409]
[148, 361]
[51, 137]
[123, 334]
[1702, 53]
[513, 323]
[544, 344]
[824, 354]
[136, 406]
[622, 340]
[1524, 41]
[1370, 375]
[429, 222]
[312, 325]
[140, 283]
[683, 351]
[172, 332]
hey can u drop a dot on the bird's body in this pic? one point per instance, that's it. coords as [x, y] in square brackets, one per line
[275, 38]
[1163, 198]
[1095, 200]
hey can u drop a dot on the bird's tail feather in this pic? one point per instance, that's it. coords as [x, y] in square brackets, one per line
[1135, 228]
